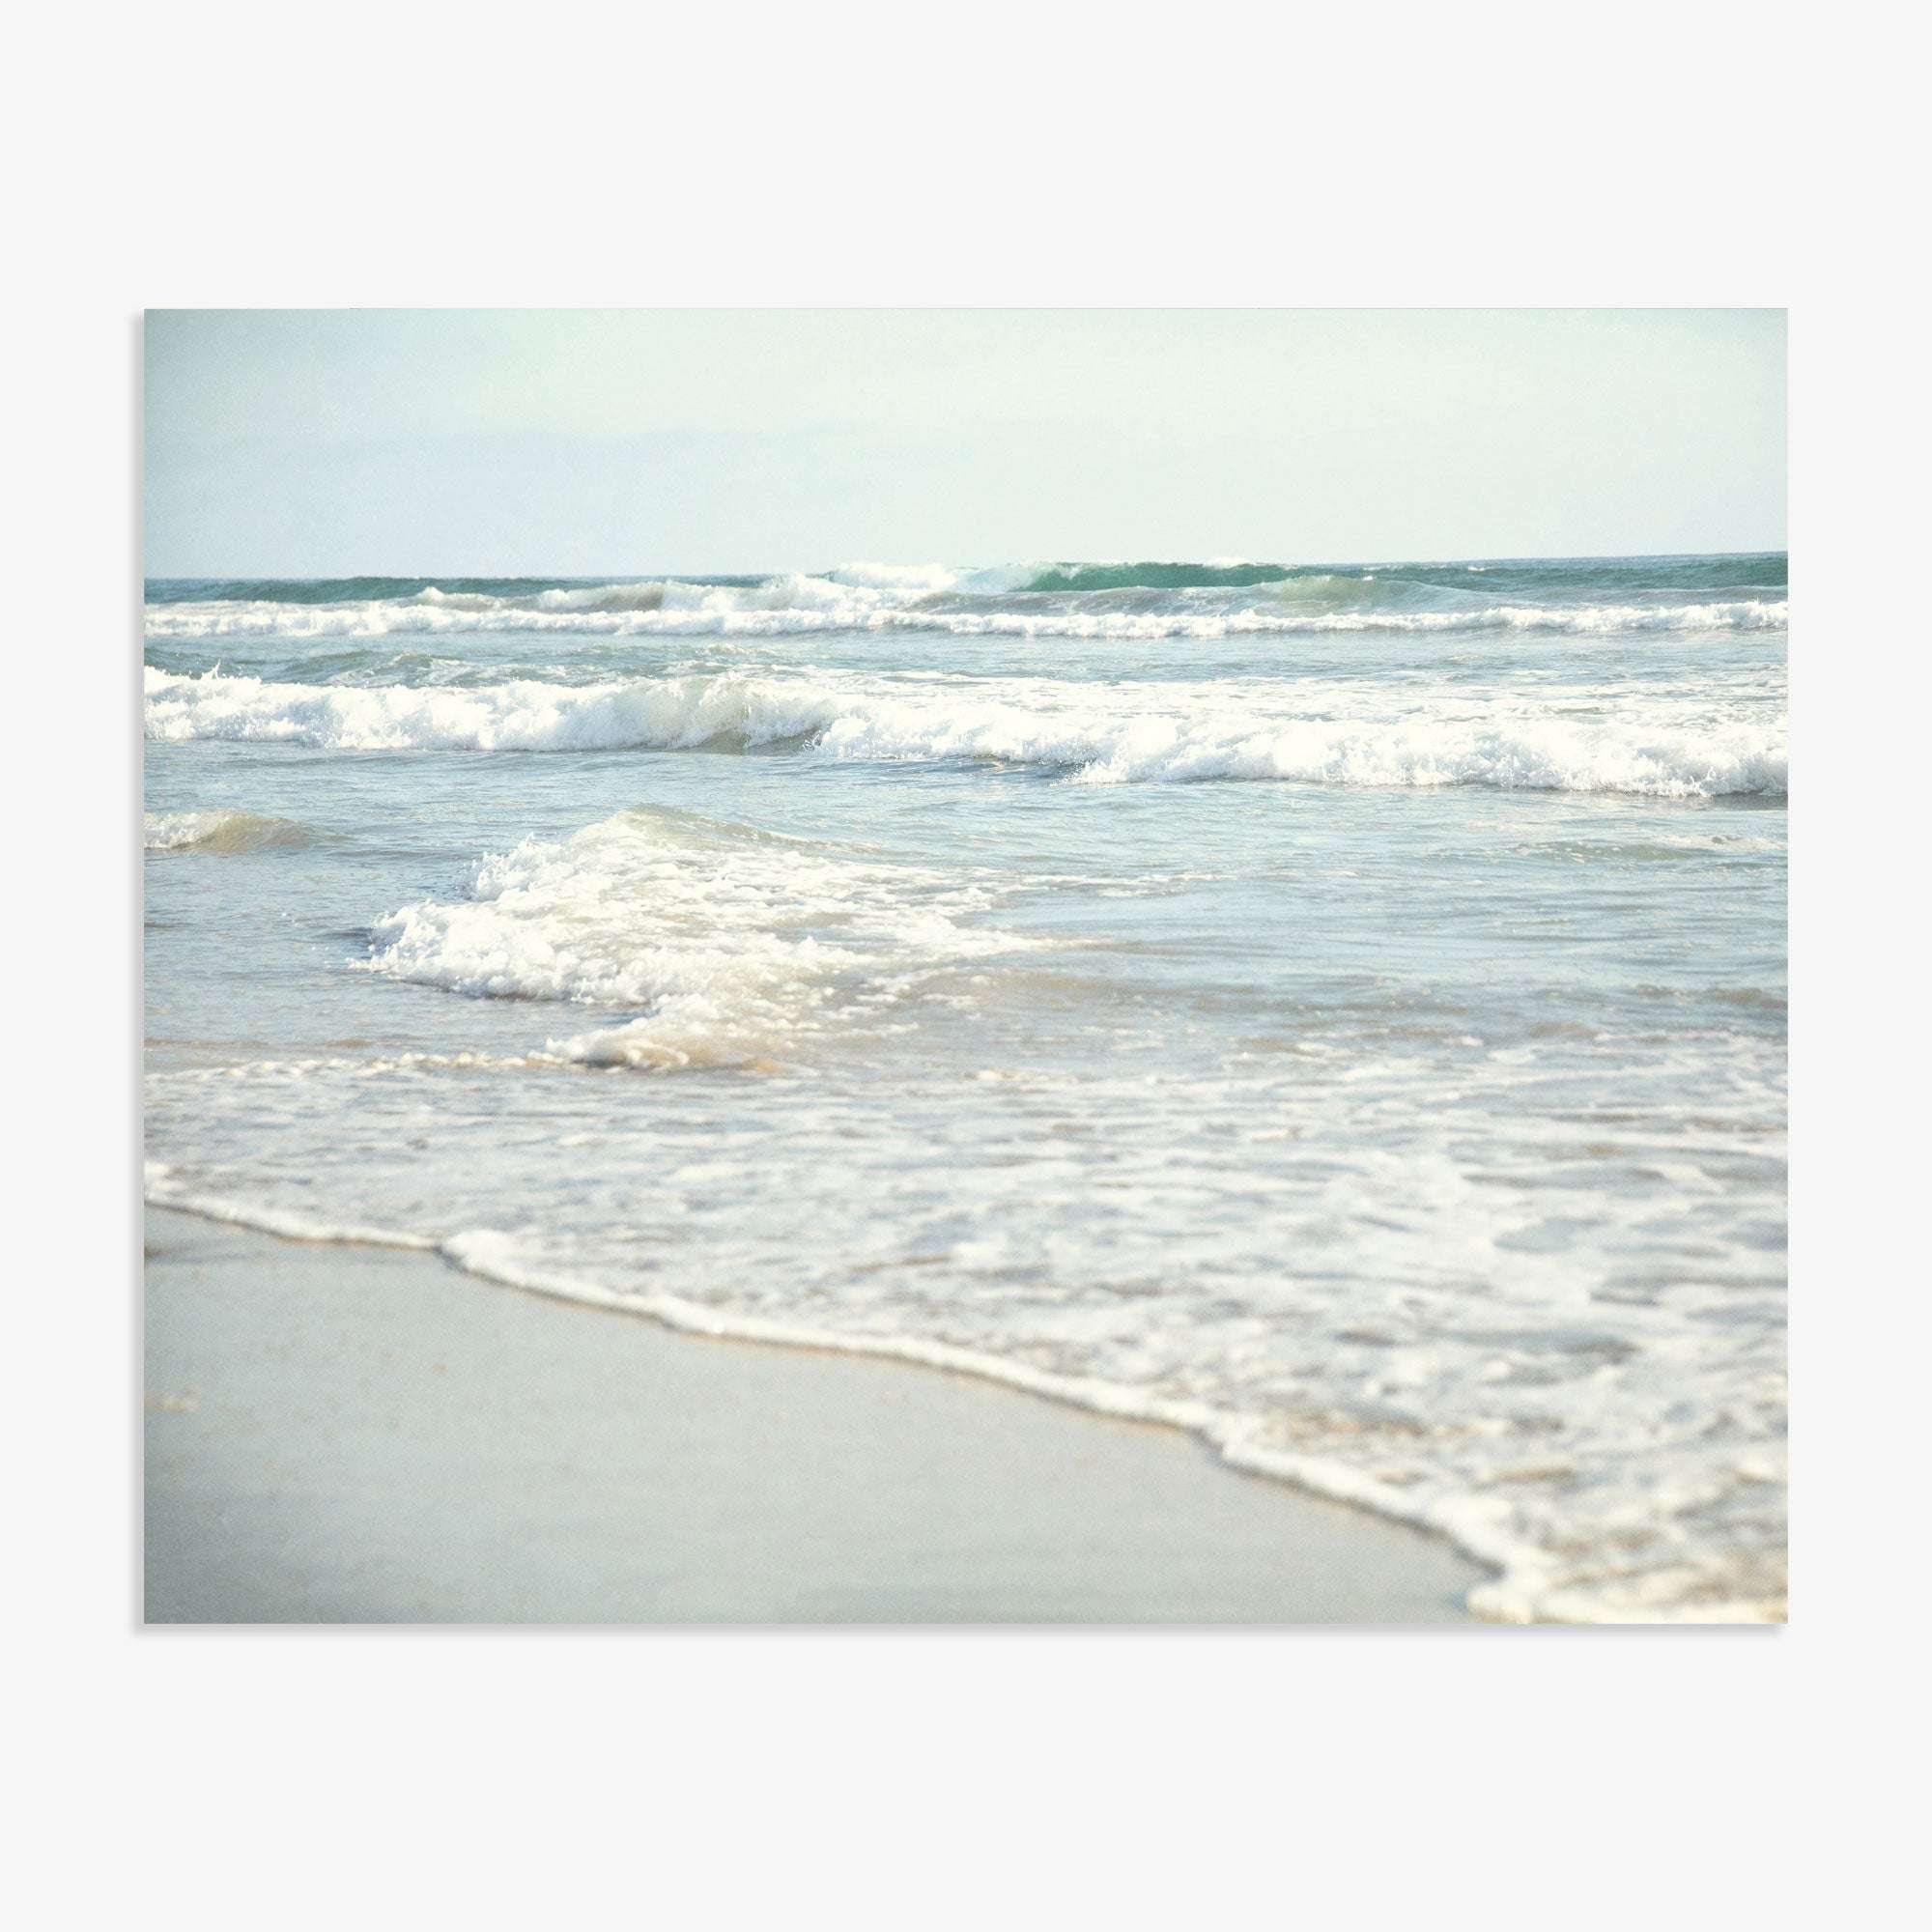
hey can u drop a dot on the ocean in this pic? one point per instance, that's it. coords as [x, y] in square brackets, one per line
[1338, 1010]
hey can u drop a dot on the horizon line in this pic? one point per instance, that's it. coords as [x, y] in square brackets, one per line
[1230, 563]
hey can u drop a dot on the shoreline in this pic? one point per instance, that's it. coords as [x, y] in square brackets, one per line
[347, 1433]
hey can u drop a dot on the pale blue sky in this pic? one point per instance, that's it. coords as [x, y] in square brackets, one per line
[331, 443]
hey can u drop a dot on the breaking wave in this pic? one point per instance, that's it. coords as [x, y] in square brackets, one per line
[1099, 735]
[1233, 574]
[741, 947]
[218, 832]
[1123, 601]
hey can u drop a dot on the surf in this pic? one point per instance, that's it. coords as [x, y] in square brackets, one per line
[1112, 735]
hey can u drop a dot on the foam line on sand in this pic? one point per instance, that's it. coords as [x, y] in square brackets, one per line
[363, 1435]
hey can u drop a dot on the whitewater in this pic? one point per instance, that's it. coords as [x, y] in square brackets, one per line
[1339, 1009]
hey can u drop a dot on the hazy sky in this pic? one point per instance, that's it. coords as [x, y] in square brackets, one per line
[331, 443]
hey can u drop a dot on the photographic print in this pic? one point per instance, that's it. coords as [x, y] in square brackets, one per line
[1041, 966]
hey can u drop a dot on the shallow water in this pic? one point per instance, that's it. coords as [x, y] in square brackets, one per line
[1340, 1010]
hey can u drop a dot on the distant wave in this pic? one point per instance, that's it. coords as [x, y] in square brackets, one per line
[1232, 575]
[1099, 735]
[1617, 577]
[1124, 601]
[806, 606]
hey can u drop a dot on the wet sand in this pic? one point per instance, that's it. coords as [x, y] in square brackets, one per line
[360, 1435]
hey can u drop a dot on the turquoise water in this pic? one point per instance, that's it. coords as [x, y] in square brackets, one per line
[1340, 1010]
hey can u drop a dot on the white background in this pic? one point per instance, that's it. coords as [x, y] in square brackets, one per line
[845, 156]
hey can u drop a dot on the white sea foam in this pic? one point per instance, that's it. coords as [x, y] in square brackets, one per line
[909, 582]
[1529, 755]
[165, 1188]
[1424, 1153]
[915, 576]
[1545, 1568]
[1101, 735]
[741, 945]
[935, 598]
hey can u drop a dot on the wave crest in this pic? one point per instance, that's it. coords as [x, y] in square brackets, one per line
[218, 832]
[1099, 735]
[741, 945]
[1126, 602]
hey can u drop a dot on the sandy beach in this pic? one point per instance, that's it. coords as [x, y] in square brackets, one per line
[356, 1434]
